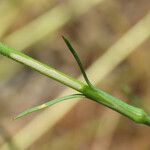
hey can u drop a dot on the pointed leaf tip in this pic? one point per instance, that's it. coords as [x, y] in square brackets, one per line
[47, 104]
[68, 43]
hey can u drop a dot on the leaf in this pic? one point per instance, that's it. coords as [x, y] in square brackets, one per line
[47, 104]
[68, 43]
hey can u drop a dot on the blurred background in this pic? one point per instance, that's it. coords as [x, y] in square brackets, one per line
[112, 38]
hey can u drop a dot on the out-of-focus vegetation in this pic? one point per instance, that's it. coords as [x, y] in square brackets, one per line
[112, 39]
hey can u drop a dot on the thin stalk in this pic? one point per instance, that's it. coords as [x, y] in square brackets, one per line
[41, 68]
[136, 114]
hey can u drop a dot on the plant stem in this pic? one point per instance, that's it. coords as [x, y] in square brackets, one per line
[136, 114]
[42, 68]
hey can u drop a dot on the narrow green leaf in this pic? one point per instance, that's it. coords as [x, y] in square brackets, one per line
[74, 53]
[47, 104]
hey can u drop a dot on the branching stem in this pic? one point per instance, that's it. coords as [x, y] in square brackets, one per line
[136, 114]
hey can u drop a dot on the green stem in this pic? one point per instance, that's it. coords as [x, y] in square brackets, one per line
[42, 68]
[136, 114]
